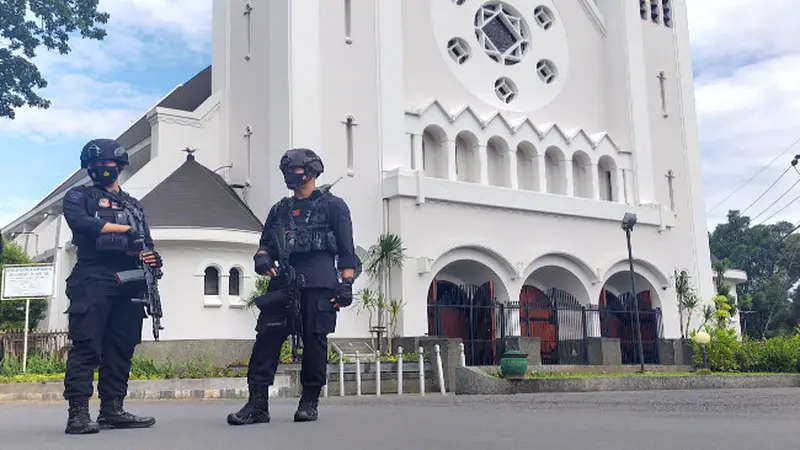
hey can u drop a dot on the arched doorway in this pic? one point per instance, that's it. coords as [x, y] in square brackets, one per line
[552, 308]
[557, 318]
[462, 304]
[617, 310]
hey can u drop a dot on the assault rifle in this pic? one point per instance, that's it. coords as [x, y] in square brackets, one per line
[291, 292]
[151, 298]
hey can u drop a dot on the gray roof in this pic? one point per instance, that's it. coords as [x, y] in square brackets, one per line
[187, 97]
[194, 196]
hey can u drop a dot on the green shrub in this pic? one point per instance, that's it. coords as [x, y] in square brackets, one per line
[777, 354]
[37, 364]
[721, 351]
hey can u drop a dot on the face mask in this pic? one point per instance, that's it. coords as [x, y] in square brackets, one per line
[103, 176]
[294, 180]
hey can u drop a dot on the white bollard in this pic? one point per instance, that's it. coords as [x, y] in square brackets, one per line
[358, 375]
[421, 373]
[463, 355]
[377, 374]
[327, 378]
[439, 370]
[399, 370]
[341, 374]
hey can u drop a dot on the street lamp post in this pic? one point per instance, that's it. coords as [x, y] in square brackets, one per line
[702, 339]
[628, 221]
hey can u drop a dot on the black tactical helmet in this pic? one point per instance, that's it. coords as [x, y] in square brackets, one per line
[103, 150]
[302, 157]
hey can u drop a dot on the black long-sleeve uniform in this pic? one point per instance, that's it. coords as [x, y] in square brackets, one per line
[104, 325]
[319, 268]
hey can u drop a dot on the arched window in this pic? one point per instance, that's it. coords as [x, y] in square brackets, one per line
[211, 281]
[234, 282]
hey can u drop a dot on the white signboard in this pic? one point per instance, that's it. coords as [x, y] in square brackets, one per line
[27, 281]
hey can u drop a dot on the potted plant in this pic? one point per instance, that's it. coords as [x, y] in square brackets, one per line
[513, 364]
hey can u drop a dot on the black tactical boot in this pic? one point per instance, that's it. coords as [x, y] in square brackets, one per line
[79, 421]
[113, 416]
[256, 410]
[307, 409]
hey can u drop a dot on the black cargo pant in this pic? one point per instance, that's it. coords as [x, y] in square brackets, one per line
[104, 327]
[319, 319]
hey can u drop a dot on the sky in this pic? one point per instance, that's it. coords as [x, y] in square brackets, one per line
[746, 66]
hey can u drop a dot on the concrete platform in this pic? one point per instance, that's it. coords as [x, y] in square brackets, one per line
[476, 381]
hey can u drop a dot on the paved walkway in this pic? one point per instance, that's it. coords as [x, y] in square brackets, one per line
[707, 420]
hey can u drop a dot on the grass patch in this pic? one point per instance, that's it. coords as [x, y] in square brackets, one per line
[558, 375]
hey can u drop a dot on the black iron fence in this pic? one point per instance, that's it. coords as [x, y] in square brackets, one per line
[564, 329]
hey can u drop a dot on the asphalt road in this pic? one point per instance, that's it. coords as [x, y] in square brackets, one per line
[708, 420]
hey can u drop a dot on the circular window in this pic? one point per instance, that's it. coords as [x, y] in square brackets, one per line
[459, 50]
[544, 17]
[505, 89]
[502, 32]
[547, 70]
[512, 55]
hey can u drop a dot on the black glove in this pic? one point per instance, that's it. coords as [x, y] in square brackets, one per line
[262, 263]
[159, 261]
[344, 293]
[153, 254]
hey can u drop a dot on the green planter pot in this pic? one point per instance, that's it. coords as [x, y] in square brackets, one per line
[514, 364]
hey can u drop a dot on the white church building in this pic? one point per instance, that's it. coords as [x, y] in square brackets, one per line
[503, 141]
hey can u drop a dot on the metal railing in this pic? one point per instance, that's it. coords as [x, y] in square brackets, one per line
[564, 331]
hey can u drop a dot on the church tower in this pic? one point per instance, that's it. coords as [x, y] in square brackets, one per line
[447, 119]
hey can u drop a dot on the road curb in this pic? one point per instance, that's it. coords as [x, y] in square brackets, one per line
[206, 388]
[473, 381]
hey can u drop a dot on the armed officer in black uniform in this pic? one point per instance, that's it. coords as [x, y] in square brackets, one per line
[104, 324]
[318, 229]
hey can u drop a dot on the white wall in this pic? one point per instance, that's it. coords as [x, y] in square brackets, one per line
[592, 250]
[674, 142]
[255, 92]
[572, 43]
[188, 314]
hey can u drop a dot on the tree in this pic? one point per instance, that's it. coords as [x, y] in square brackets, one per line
[771, 258]
[772, 301]
[12, 312]
[27, 25]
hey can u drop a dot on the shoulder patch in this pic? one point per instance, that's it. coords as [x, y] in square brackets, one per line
[74, 195]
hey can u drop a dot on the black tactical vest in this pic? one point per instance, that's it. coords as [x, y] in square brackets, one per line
[311, 233]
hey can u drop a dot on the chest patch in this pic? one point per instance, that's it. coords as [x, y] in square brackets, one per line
[103, 203]
[295, 213]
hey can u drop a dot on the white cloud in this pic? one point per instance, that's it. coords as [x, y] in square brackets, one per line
[138, 31]
[748, 101]
[85, 102]
[188, 19]
[82, 107]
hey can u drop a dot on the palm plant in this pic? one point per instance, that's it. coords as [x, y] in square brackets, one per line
[260, 288]
[689, 303]
[395, 306]
[384, 256]
[687, 300]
